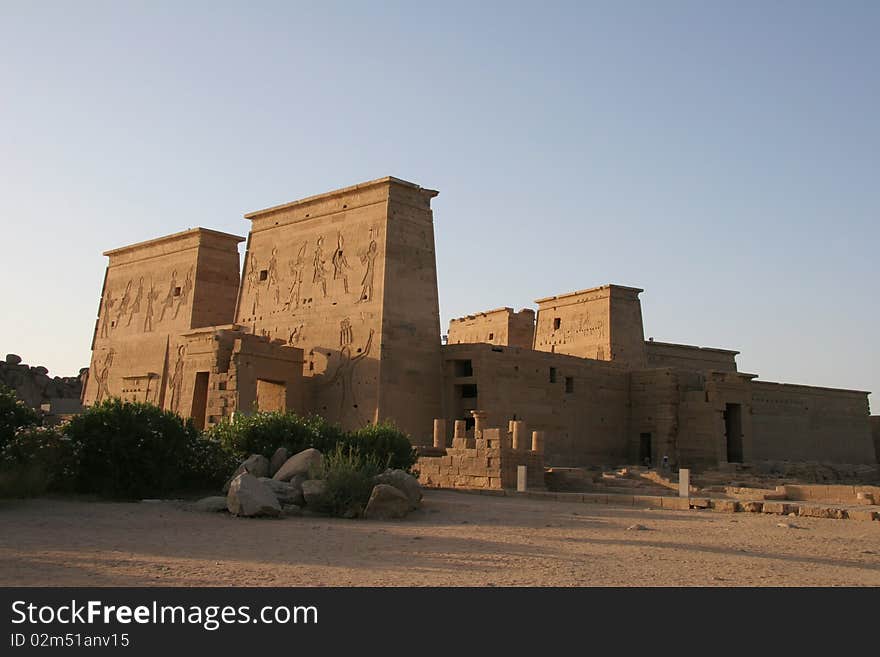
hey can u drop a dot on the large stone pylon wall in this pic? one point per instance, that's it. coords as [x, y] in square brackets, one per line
[350, 277]
[153, 293]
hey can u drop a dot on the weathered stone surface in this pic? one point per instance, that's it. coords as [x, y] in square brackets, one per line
[302, 463]
[724, 506]
[13, 359]
[256, 465]
[286, 492]
[248, 496]
[752, 507]
[278, 459]
[816, 511]
[386, 502]
[291, 509]
[213, 504]
[405, 483]
[313, 490]
[781, 508]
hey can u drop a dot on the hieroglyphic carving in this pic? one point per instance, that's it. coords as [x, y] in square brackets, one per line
[320, 265]
[105, 314]
[136, 304]
[368, 258]
[346, 336]
[169, 298]
[102, 377]
[340, 264]
[185, 289]
[253, 274]
[272, 275]
[296, 278]
[176, 380]
[296, 335]
[152, 296]
[345, 371]
[123, 303]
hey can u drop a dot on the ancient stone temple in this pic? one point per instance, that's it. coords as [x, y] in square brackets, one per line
[336, 312]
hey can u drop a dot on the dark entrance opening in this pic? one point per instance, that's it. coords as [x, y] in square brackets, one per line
[200, 400]
[733, 430]
[645, 448]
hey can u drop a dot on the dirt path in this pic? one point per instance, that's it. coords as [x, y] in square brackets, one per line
[457, 539]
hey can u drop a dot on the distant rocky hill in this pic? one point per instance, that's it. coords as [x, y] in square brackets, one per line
[36, 388]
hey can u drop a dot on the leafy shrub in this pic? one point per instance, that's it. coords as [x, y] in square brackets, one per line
[387, 443]
[38, 459]
[348, 476]
[263, 433]
[133, 450]
[14, 415]
[208, 464]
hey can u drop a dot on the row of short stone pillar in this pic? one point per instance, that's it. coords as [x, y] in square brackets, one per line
[516, 428]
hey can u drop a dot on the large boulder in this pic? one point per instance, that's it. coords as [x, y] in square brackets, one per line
[313, 490]
[255, 464]
[248, 496]
[386, 502]
[302, 463]
[405, 483]
[214, 504]
[287, 492]
[13, 359]
[278, 459]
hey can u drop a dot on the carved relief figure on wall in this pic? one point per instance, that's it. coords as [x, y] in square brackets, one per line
[296, 278]
[105, 314]
[176, 381]
[185, 289]
[103, 378]
[169, 298]
[369, 259]
[296, 335]
[136, 304]
[346, 336]
[272, 275]
[152, 296]
[252, 272]
[320, 267]
[123, 303]
[344, 373]
[340, 264]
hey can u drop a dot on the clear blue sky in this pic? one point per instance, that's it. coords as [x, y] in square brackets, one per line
[723, 156]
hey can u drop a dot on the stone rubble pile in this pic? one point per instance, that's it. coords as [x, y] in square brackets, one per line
[287, 486]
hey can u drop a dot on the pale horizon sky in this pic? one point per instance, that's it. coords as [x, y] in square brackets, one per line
[724, 156]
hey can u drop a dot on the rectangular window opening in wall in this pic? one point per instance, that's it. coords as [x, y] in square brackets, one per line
[569, 384]
[464, 368]
[264, 274]
[557, 322]
[491, 336]
[467, 391]
[552, 375]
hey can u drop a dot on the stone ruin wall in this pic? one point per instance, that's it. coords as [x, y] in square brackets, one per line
[875, 433]
[34, 386]
[501, 327]
[485, 459]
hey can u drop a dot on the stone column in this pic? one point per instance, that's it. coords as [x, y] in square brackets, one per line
[439, 433]
[479, 422]
[519, 435]
[684, 482]
[510, 426]
[460, 429]
[538, 441]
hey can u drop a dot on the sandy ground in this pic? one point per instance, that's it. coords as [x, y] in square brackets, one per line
[456, 539]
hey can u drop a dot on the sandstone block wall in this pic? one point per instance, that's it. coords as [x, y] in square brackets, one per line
[875, 432]
[350, 278]
[804, 423]
[581, 405]
[501, 326]
[602, 323]
[688, 357]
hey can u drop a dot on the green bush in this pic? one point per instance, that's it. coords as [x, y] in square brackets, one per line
[386, 443]
[39, 459]
[14, 415]
[134, 450]
[348, 475]
[263, 433]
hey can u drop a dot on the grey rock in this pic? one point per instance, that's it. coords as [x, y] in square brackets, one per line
[313, 490]
[302, 463]
[405, 483]
[248, 496]
[286, 492]
[278, 459]
[291, 510]
[214, 504]
[13, 359]
[255, 464]
[386, 502]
